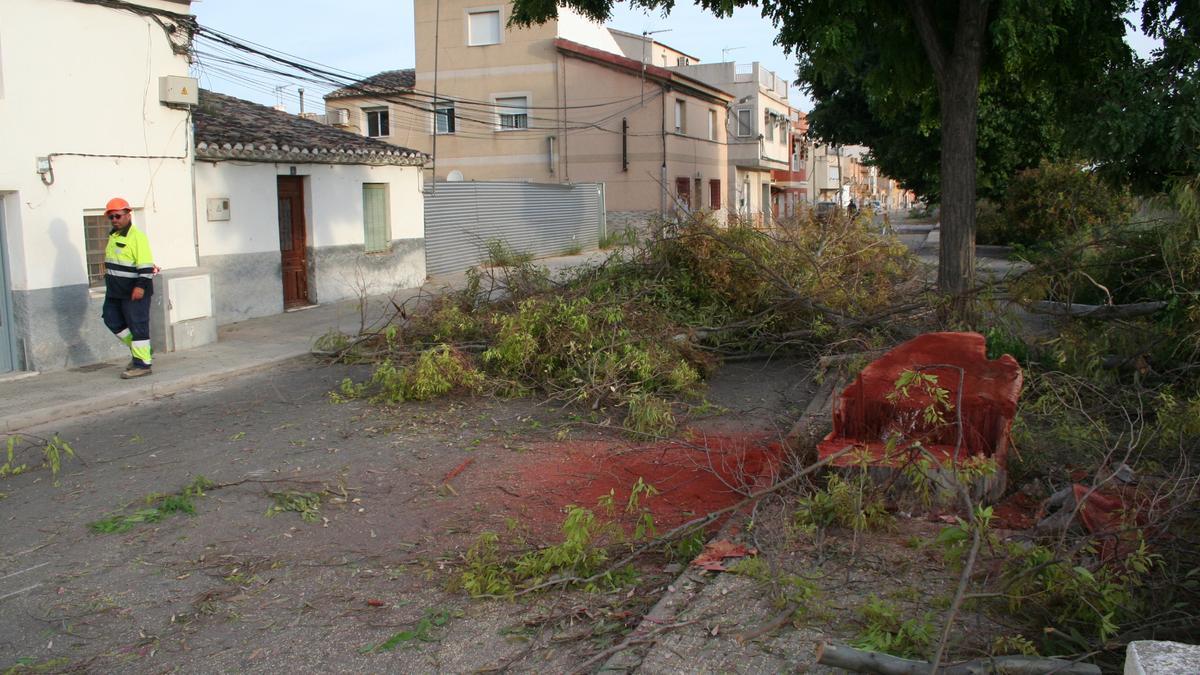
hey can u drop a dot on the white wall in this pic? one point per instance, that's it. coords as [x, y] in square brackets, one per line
[333, 204]
[576, 27]
[84, 79]
[335, 197]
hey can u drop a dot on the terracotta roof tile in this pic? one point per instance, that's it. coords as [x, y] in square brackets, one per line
[232, 128]
[387, 82]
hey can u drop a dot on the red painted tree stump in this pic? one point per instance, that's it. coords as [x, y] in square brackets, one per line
[984, 392]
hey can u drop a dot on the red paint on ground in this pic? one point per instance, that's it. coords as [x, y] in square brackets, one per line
[458, 469]
[692, 477]
[863, 416]
[1017, 512]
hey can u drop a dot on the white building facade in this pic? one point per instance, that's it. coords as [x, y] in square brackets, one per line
[78, 128]
[108, 110]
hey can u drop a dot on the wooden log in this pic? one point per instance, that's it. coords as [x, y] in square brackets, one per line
[1077, 310]
[859, 661]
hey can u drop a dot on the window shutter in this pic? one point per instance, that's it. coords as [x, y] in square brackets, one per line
[513, 112]
[484, 28]
[377, 234]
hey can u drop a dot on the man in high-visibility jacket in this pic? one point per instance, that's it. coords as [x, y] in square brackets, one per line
[128, 284]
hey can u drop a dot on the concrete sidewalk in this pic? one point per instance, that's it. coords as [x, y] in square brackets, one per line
[32, 399]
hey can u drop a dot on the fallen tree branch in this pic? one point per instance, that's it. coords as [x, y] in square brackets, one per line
[1077, 310]
[859, 661]
[633, 639]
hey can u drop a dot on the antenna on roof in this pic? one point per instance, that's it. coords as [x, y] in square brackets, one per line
[646, 39]
[726, 50]
[279, 104]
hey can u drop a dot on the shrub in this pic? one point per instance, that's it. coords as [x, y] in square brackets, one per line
[500, 254]
[989, 223]
[1053, 201]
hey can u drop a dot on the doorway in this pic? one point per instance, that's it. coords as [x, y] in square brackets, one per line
[8, 352]
[293, 241]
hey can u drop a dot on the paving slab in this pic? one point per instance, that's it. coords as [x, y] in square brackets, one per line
[1155, 657]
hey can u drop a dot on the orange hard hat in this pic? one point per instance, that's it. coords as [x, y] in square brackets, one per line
[116, 204]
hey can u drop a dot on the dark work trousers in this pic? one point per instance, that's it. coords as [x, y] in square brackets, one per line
[133, 315]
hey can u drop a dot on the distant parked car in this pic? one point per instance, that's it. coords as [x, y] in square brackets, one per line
[876, 204]
[825, 210]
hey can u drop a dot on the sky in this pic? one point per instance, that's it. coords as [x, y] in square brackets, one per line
[369, 36]
[364, 37]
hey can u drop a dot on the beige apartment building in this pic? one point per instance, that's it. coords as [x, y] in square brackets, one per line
[759, 132]
[565, 101]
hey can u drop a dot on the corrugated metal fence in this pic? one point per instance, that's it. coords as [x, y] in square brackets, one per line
[537, 218]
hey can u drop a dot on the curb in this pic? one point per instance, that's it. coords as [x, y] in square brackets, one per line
[143, 391]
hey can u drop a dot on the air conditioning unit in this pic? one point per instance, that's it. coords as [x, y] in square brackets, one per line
[339, 117]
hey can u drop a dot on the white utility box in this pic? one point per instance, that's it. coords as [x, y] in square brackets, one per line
[177, 90]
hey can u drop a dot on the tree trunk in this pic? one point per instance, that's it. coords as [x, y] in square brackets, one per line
[958, 89]
[956, 258]
[956, 70]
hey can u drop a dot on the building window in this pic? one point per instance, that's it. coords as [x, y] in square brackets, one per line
[712, 125]
[680, 116]
[682, 61]
[835, 174]
[443, 116]
[95, 237]
[513, 112]
[745, 122]
[483, 27]
[714, 194]
[377, 231]
[769, 125]
[377, 122]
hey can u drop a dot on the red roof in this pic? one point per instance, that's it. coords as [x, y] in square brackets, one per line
[652, 71]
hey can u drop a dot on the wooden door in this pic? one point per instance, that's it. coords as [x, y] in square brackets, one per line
[293, 241]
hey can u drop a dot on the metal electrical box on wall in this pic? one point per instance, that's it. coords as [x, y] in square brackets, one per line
[177, 90]
[218, 208]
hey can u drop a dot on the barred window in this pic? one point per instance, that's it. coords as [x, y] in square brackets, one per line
[95, 237]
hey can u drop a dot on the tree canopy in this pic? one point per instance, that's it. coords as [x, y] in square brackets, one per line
[1147, 128]
[994, 85]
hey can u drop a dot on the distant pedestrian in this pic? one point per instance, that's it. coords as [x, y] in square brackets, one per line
[128, 284]
[853, 208]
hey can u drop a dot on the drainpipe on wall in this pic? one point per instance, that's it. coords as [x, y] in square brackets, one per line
[437, 30]
[195, 217]
[662, 172]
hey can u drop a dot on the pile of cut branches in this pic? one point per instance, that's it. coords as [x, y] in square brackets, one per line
[632, 338]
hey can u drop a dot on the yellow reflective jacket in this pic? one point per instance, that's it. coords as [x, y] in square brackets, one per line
[128, 263]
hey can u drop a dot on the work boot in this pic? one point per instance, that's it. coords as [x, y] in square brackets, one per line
[133, 372]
